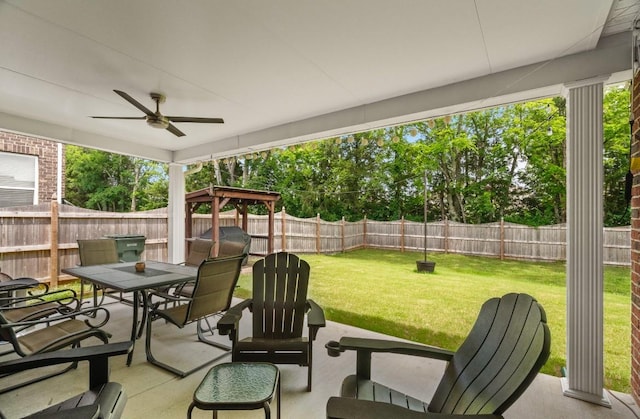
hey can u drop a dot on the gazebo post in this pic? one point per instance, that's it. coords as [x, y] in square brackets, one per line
[215, 225]
[271, 206]
[188, 224]
[245, 220]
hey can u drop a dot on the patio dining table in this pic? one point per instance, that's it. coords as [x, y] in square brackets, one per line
[124, 277]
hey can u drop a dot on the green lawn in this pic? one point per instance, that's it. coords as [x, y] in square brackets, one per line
[382, 291]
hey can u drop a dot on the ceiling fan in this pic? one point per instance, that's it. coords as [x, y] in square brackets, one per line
[156, 119]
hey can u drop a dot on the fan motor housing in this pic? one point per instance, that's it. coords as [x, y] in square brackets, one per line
[158, 121]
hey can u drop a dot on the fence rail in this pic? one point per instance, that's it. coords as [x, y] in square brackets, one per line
[38, 241]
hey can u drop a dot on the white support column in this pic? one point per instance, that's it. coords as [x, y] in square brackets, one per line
[585, 366]
[176, 232]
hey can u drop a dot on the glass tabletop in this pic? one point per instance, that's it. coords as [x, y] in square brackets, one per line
[241, 383]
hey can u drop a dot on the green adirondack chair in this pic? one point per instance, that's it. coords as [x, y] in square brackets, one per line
[500, 357]
[279, 306]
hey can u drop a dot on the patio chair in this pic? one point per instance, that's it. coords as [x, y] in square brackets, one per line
[229, 249]
[104, 399]
[212, 293]
[498, 360]
[97, 252]
[9, 286]
[279, 306]
[61, 331]
[199, 251]
[34, 307]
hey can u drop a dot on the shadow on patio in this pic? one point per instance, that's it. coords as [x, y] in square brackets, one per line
[156, 393]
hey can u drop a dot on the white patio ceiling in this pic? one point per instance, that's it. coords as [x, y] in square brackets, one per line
[281, 72]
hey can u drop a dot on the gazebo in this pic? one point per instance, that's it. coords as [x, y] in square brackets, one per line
[218, 197]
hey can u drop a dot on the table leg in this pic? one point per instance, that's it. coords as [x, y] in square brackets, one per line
[134, 326]
[279, 396]
[145, 313]
[267, 410]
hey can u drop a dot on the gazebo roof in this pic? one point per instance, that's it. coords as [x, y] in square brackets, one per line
[234, 195]
[219, 196]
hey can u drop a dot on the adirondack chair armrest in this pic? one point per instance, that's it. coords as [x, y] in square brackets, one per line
[84, 412]
[383, 345]
[365, 347]
[96, 355]
[229, 321]
[315, 315]
[345, 408]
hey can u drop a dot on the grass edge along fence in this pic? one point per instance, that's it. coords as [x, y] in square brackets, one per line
[39, 240]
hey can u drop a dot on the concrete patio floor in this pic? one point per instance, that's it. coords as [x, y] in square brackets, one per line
[155, 393]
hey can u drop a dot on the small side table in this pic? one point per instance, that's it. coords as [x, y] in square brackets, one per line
[238, 386]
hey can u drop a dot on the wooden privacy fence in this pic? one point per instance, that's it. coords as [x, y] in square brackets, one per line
[38, 241]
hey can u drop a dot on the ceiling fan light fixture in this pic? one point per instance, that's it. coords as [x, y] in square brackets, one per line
[158, 122]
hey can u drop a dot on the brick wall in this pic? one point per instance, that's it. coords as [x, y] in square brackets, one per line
[635, 247]
[47, 154]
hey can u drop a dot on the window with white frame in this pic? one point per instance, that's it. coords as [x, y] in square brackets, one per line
[18, 180]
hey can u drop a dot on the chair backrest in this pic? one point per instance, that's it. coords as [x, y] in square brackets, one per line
[280, 283]
[231, 248]
[498, 360]
[214, 286]
[97, 252]
[199, 250]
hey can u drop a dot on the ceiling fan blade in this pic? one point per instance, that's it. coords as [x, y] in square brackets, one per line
[175, 131]
[197, 120]
[119, 117]
[134, 102]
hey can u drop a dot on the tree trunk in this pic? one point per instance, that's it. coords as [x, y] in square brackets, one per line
[136, 185]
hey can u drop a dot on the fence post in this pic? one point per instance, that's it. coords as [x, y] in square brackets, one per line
[446, 235]
[53, 253]
[283, 213]
[364, 231]
[501, 238]
[402, 234]
[318, 233]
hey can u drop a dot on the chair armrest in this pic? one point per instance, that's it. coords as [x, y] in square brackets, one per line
[18, 284]
[63, 356]
[365, 347]
[230, 319]
[63, 296]
[315, 315]
[382, 345]
[91, 411]
[88, 312]
[166, 298]
[98, 357]
[344, 408]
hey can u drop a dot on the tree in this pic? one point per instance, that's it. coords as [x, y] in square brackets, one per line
[112, 182]
[616, 155]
